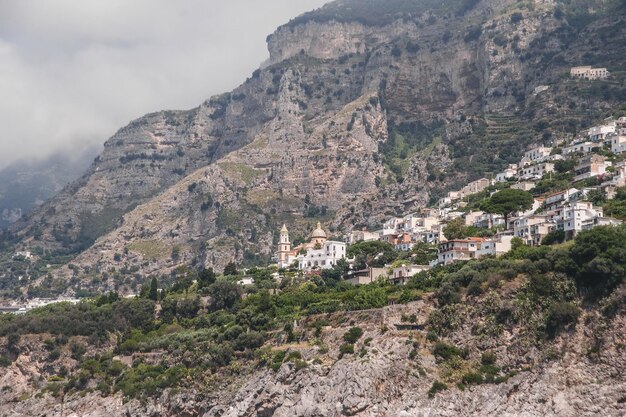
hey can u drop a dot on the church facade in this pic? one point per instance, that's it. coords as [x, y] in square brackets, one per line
[318, 253]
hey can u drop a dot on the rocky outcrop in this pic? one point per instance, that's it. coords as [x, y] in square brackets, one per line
[384, 378]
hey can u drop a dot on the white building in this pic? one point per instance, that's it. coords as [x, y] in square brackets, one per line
[526, 228]
[536, 171]
[582, 147]
[508, 173]
[402, 274]
[524, 186]
[576, 215]
[362, 236]
[495, 247]
[560, 197]
[600, 221]
[618, 143]
[538, 154]
[458, 250]
[324, 258]
[320, 253]
[599, 133]
[589, 73]
[591, 166]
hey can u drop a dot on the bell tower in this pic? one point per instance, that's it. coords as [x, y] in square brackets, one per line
[284, 247]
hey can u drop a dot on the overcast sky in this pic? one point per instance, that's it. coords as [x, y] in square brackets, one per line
[74, 71]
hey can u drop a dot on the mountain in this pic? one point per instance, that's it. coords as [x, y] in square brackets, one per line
[365, 109]
[25, 185]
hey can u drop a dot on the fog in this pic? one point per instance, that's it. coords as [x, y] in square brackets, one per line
[72, 72]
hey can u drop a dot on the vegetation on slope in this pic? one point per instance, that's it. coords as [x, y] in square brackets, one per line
[206, 332]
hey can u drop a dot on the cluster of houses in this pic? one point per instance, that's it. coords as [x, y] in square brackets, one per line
[567, 211]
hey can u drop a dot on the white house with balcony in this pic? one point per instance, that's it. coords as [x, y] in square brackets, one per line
[576, 215]
[579, 148]
[495, 247]
[402, 274]
[538, 154]
[458, 250]
[599, 133]
[535, 171]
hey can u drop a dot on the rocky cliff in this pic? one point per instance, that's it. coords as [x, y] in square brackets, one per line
[366, 109]
[392, 375]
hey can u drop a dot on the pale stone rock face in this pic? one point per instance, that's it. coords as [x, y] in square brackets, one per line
[384, 382]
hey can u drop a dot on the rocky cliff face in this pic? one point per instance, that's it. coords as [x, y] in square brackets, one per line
[391, 376]
[353, 120]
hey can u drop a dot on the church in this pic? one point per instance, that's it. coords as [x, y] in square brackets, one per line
[318, 253]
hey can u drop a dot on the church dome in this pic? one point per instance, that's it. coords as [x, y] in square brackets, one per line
[318, 233]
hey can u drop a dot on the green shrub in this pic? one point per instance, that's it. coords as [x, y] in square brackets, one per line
[277, 359]
[554, 237]
[472, 378]
[353, 335]
[437, 386]
[488, 358]
[561, 315]
[78, 350]
[54, 355]
[4, 362]
[345, 349]
[300, 364]
[293, 355]
[445, 351]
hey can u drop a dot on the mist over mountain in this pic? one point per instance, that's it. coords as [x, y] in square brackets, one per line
[27, 184]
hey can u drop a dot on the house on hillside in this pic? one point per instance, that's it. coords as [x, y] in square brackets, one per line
[618, 143]
[509, 173]
[402, 274]
[524, 186]
[494, 247]
[361, 236]
[576, 215]
[579, 148]
[535, 171]
[366, 276]
[600, 221]
[589, 73]
[538, 154]
[591, 166]
[532, 228]
[598, 134]
[475, 187]
[458, 250]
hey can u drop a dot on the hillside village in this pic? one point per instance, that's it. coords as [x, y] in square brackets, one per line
[576, 184]
[577, 175]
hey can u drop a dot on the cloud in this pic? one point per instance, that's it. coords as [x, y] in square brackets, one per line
[74, 71]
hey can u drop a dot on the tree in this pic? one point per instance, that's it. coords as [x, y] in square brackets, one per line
[423, 253]
[231, 269]
[224, 295]
[206, 277]
[455, 229]
[565, 165]
[153, 294]
[555, 236]
[508, 201]
[374, 253]
[599, 254]
[597, 197]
